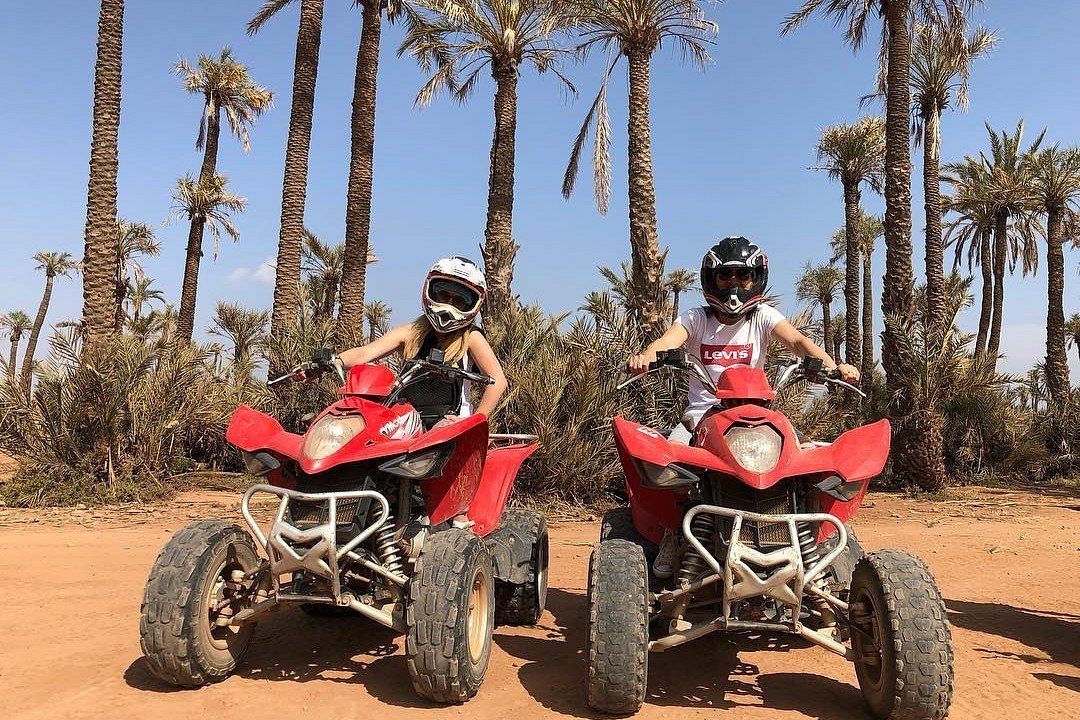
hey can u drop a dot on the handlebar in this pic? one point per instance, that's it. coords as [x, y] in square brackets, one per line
[322, 360]
[812, 370]
[452, 370]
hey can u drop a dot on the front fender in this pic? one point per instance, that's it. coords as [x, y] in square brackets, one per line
[496, 481]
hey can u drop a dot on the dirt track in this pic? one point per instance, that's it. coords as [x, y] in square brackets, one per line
[72, 581]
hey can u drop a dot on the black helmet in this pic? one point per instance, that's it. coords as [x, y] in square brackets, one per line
[734, 253]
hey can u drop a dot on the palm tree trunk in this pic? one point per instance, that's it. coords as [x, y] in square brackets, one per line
[647, 262]
[675, 307]
[101, 240]
[499, 247]
[852, 249]
[358, 206]
[12, 357]
[867, 368]
[917, 448]
[294, 183]
[987, 306]
[826, 325]
[935, 250]
[35, 333]
[185, 320]
[1057, 365]
[1000, 250]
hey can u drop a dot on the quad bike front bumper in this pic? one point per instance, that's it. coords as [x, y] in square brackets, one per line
[315, 550]
[746, 572]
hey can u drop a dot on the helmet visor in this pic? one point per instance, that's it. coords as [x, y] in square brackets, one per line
[723, 276]
[444, 291]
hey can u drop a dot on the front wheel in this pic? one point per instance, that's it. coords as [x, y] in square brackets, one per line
[617, 646]
[450, 615]
[901, 638]
[195, 586]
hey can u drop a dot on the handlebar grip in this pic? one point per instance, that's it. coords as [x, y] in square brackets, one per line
[834, 374]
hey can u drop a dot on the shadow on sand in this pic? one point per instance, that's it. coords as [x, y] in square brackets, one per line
[1052, 632]
[291, 646]
[706, 674]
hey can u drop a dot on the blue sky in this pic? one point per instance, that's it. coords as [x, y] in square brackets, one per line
[731, 150]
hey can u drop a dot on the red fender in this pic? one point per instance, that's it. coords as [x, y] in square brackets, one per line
[500, 470]
[451, 493]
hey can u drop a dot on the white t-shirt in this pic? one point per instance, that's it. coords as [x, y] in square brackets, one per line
[720, 346]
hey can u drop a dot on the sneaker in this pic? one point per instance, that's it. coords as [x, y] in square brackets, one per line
[664, 565]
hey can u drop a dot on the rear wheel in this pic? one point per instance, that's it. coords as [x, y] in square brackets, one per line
[901, 638]
[617, 645]
[192, 591]
[450, 616]
[523, 603]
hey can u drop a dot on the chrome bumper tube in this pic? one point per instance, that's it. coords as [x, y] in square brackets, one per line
[323, 558]
[787, 579]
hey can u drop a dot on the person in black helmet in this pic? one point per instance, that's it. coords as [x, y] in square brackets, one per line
[733, 328]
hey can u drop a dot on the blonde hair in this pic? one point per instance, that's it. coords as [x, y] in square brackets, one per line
[455, 344]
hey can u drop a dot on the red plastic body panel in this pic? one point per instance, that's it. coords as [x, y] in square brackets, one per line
[742, 382]
[857, 455]
[496, 481]
[370, 380]
[450, 493]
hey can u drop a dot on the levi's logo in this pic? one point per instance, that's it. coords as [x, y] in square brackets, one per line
[727, 355]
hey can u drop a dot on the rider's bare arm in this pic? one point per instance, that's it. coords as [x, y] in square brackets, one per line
[377, 349]
[673, 337]
[486, 362]
[802, 346]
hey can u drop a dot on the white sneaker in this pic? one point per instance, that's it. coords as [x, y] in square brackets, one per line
[664, 565]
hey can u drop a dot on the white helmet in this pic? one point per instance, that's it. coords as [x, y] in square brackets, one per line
[454, 290]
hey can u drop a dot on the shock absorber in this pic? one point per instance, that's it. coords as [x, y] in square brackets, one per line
[702, 527]
[811, 553]
[387, 547]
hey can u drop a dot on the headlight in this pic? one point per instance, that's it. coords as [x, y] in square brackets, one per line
[755, 448]
[427, 463]
[328, 435]
[666, 476]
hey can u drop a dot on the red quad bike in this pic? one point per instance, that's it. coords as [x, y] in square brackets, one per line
[760, 521]
[374, 516]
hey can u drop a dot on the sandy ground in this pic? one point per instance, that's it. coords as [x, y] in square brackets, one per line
[72, 581]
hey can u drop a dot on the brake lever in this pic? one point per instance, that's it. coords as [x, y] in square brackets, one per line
[843, 384]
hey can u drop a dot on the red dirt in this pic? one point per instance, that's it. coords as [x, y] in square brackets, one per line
[1006, 562]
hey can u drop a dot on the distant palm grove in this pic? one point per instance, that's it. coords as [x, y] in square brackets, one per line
[126, 403]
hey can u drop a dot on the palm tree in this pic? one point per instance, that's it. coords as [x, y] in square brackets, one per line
[634, 29]
[135, 239]
[139, 293]
[1072, 332]
[855, 155]
[358, 206]
[678, 282]
[294, 184]
[454, 37]
[870, 228]
[53, 265]
[972, 229]
[322, 265]
[839, 328]
[917, 449]
[210, 203]
[16, 323]
[1055, 177]
[1015, 220]
[940, 60]
[377, 314]
[225, 87]
[100, 252]
[246, 330]
[819, 285]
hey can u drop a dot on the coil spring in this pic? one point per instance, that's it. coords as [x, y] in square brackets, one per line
[702, 527]
[808, 546]
[387, 547]
[811, 553]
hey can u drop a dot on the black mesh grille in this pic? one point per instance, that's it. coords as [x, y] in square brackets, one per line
[776, 500]
[318, 513]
